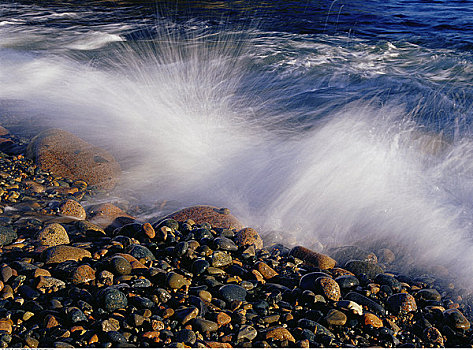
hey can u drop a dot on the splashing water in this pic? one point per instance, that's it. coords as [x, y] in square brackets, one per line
[206, 118]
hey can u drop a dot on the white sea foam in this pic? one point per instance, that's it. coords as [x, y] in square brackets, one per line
[187, 125]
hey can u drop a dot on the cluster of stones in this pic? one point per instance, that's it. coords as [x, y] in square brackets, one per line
[98, 277]
[189, 284]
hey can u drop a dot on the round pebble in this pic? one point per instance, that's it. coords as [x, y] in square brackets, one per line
[112, 299]
[120, 265]
[232, 292]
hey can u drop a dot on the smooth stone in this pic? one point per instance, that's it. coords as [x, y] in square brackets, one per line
[53, 235]
[364, 301]
[83, 274]
[335, 318]
[347, 281]
[73, 209]
[329, 288]
[6, 272]
[370, 319]
[140, 252]
[280, 333]
[391, 281]
[64, 154]
[347, 253]
[112, 299]
[61, 253]
[248, 236]
[232, 292]
[7, 235]
[456, 319]
[401, 303]
[220, 259]
[313, 258]
[359, 267]
[308, 281]
[224, 243]
[176, 281]
[186, 314]
[217, 217]
[199, 266]
[267, 271]
[186, 336]
[116, 337]
[141, 302]
[120, 265]
[202, 325]
[428, 295]
[181, 248]
[247, 332]
[109, 215]
[90, 229]
[386, 256]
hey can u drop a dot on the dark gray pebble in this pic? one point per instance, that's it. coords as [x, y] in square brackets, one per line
[308, 280]
[116, 337]
[140, 252]
[231, 292]
[391, 281]
[112, 299]
[347, 281]
[359, 267]
[120, 265]
[186, 336]
[224, 243]
[199, 266]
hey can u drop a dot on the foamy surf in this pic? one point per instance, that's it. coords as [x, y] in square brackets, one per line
[192, 120]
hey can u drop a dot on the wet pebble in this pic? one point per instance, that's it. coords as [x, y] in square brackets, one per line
[456, 319]
[310, 257]
[335, 318]
[112, 299]
[359, 267]
[401, 303]
[120, 265]
[248, 236]
[347, 282]
[232, 292]
[53, 235]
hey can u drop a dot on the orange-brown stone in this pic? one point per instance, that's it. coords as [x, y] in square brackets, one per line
[280, 333]
[266, 271]
[106, 214]
[372, 319]
[248, 236]
[64, 154]
[217, 217]
[312, 258]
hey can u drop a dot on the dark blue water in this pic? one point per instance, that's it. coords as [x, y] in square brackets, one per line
[343, 122]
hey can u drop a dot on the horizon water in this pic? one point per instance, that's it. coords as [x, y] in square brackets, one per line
[318, 123]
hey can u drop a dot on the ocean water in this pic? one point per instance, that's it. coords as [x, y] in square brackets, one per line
[319, 123]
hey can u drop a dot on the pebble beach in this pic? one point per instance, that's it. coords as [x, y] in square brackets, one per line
[74, 274]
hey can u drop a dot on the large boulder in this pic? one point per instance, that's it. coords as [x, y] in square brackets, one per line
[217, 217]
[67, 155]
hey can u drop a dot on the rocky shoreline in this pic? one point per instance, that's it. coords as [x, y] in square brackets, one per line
[74, 275]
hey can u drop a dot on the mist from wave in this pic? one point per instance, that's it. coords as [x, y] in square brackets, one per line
[293, 134]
